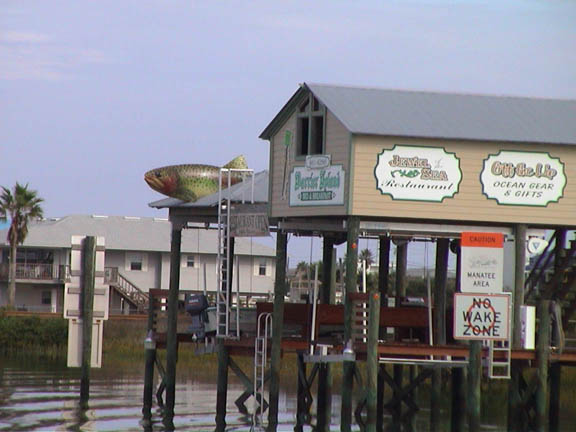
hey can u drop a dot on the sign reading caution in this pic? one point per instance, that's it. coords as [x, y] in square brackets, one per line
[482, 262]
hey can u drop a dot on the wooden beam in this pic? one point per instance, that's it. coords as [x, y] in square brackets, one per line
[277, 327]
[351, 287]
[172, 326]
[87, 300]
[519, 275]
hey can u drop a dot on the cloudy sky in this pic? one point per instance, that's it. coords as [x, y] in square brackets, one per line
[95, 93]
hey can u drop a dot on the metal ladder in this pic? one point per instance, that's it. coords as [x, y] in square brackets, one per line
[223, 259]
[260, 361]
[223, 303]
[499, 369]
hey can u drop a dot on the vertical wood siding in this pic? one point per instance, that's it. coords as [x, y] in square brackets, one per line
[337, 145]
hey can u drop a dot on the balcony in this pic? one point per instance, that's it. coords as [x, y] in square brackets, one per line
[36, 272]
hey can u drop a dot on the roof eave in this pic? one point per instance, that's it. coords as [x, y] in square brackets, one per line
[285, 112]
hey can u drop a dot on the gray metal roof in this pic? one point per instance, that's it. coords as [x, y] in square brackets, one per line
[374, 111]
[128, 233]
[239, 192]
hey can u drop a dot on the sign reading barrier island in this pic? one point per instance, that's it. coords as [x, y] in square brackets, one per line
[418, 173]
[318, 183]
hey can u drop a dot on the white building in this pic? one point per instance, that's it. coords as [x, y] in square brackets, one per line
[137, 259]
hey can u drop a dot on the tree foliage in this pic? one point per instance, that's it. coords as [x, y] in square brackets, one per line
[20, 205]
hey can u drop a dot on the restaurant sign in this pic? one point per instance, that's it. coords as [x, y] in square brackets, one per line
[418, 173]
[523, 178]
[318, 183]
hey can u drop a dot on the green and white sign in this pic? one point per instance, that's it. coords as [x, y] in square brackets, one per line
[523, 178]
[418, 173]
[318, 183]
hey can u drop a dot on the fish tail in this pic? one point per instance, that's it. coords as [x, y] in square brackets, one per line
[238, 162]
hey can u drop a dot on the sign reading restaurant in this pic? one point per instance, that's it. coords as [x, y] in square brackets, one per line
[418, 173]
[523, 178]
[317, 183]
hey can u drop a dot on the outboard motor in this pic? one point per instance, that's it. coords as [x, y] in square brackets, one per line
[195, 305]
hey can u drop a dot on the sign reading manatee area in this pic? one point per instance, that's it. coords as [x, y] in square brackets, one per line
[523, 178]
[418, 173]
[318, 183]
[481, 316]
[482, 257]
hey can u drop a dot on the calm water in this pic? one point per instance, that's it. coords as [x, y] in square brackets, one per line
[43, 396]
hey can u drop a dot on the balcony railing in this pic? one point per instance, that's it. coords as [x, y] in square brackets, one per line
[40, 272]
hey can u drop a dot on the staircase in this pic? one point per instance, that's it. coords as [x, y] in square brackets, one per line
[555, 283]
[127, 290]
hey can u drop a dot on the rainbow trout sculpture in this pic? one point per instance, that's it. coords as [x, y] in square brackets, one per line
[191, 182]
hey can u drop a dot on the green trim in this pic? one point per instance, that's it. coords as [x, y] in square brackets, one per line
[414, 199]
[524, 152]
[351, 148]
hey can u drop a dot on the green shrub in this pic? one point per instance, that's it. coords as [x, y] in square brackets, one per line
[28, 333]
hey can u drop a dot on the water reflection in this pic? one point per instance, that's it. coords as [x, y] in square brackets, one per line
[44, 396]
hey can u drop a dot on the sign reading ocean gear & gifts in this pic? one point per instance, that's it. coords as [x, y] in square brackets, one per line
[523, 178]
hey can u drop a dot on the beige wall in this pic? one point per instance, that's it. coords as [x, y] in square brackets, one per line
[469, 204]
[336, 144]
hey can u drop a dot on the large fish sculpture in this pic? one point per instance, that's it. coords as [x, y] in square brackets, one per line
[191, 182]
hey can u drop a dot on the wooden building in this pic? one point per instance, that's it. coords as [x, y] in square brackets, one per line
[347, 162]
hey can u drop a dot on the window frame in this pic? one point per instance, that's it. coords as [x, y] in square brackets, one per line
[310, 114]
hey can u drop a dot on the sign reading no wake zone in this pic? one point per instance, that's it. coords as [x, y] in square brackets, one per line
[482, 262]
[481, 316]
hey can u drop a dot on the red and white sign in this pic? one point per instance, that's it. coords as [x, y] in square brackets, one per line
[482, 316]
[482, 262]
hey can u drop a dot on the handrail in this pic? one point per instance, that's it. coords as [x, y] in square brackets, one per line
[36, 271]
[539, 269]
[138, 297]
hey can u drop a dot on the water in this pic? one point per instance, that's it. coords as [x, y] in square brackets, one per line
[39, 395]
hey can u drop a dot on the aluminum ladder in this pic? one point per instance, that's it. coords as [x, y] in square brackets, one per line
[260, 362]
[223, 259]
[223, 301]
[499, 369]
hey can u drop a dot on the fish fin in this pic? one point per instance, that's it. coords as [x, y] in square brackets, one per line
[238, 162]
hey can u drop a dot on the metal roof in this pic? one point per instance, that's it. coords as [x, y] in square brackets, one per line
[373, 111]
[128, 233]
[239, 192]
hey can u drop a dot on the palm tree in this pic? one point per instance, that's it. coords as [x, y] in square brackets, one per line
[366, 255]
[21, 206]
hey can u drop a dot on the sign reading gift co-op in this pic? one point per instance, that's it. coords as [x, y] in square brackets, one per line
[418, 173]
[523, 178]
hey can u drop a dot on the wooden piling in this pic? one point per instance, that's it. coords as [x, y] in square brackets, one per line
[440, 279]
[555, 371]
[150, 356]
[353, 227]
[383, 274]
[324, 398]
[277, 327]
[400, 293]
[372, 360]
[457, 417]
[172, 326]
[543, 358]
[515, 405]
[87, 301]
[222, 386]
[474, 388]
[519, 276]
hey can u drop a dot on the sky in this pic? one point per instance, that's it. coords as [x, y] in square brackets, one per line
[95, 93]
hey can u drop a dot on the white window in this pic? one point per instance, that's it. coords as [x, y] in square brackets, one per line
[136, 261]
[262, 267]
[190, 261]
